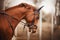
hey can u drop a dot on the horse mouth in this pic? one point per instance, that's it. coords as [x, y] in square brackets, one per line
[33, 29]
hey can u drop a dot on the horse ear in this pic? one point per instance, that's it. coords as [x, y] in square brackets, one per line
[40, 8]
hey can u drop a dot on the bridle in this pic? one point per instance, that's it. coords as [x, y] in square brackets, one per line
[36, 12]
[26, 24]
[7, 16]
[30, 26]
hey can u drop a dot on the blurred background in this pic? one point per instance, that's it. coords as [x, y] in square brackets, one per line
[49, 22]
[1, 4]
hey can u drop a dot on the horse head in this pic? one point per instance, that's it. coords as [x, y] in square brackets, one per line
[32, 17]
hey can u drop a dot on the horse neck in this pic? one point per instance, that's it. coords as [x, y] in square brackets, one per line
[18, 14]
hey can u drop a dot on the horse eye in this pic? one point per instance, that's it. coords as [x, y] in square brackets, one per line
[28, 7]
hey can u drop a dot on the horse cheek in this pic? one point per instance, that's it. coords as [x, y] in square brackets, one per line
[30, 19]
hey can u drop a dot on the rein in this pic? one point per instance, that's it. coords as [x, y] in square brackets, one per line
[26, 24]
[3, 13]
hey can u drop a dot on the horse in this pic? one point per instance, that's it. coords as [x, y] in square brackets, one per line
[10, 17]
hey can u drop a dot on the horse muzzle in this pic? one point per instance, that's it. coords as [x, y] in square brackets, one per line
[33, 28]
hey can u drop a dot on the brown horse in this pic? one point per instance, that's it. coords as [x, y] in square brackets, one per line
[12, 16]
